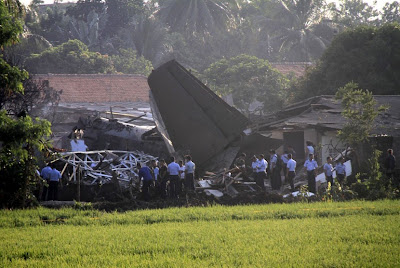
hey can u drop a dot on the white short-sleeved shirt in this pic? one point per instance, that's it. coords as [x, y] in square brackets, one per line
[310, 149]
[262, 165]
[156, 172]
[328, 168]
[173, 169]
[311, 165]
[340, 169]
[291, 165]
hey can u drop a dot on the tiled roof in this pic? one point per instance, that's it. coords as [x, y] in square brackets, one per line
[296, 68]
[99, 87]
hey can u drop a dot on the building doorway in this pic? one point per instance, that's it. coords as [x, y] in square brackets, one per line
[296, 139]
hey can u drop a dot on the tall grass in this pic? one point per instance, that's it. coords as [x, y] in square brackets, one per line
[354, 234]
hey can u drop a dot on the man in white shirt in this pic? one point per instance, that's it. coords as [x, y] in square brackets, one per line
[311, 166]
[173, 171]
[261, 168]
[328, 170]
[291, 171]
[189, 173]
[276, 181]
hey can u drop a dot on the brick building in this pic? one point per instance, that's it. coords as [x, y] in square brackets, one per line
[99, 88]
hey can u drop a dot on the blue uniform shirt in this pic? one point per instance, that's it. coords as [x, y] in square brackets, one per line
[173, 169]
[55, 175]
[145, 173]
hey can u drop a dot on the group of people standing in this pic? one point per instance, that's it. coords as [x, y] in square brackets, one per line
[262, 169]
[49, 185]
[286, 165]
[167, 180]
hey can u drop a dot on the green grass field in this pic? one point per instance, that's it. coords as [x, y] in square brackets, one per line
[351, 234]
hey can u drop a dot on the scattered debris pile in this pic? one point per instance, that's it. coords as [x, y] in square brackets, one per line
[230, 182]
[99, 167]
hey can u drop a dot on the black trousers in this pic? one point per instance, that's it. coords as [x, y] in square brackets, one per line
[189, 181]
[174, 181]
[340, 178]
[330, 179]
[260, 176]
[311, 181]
[291, 176]
[276, 181]
[53, 190]
[146, 189]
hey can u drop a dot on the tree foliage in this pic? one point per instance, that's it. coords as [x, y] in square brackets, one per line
[248, 78]
[360, 110]
[19, 137]
[367, 55]
[128, 62]
[69, 58]
[19, 140]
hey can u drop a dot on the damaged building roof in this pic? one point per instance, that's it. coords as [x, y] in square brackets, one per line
[325, 112]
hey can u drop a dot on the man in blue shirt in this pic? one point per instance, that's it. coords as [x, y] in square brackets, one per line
[328, 170]
[54, 178]
[173, 171]
[291, 171]
[45, 174]
[145, 174]
[340, 171]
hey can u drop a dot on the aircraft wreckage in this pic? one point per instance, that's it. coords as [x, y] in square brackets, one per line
[193, 120]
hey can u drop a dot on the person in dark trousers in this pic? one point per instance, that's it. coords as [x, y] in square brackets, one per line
[45, 174]
[261, 168]
[145, 174]
[291, 171]
[54, 178]
[390, 164]
[276, 181]
[163, 177]
[173, 172]
[340, 171]
[189, 173]
[328, 170]
[311, 166]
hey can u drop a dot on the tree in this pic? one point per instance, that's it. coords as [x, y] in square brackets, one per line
[367, 55]
[248, 78]
[360, 110]
[19, 137]
[298, 29]
[352, 13]
[193, 17]
[391, 12]
[71, 57]
[128, 62]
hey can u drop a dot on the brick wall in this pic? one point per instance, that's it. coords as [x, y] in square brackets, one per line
[98, 87]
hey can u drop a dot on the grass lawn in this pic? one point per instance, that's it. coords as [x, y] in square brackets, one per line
[351, 234]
